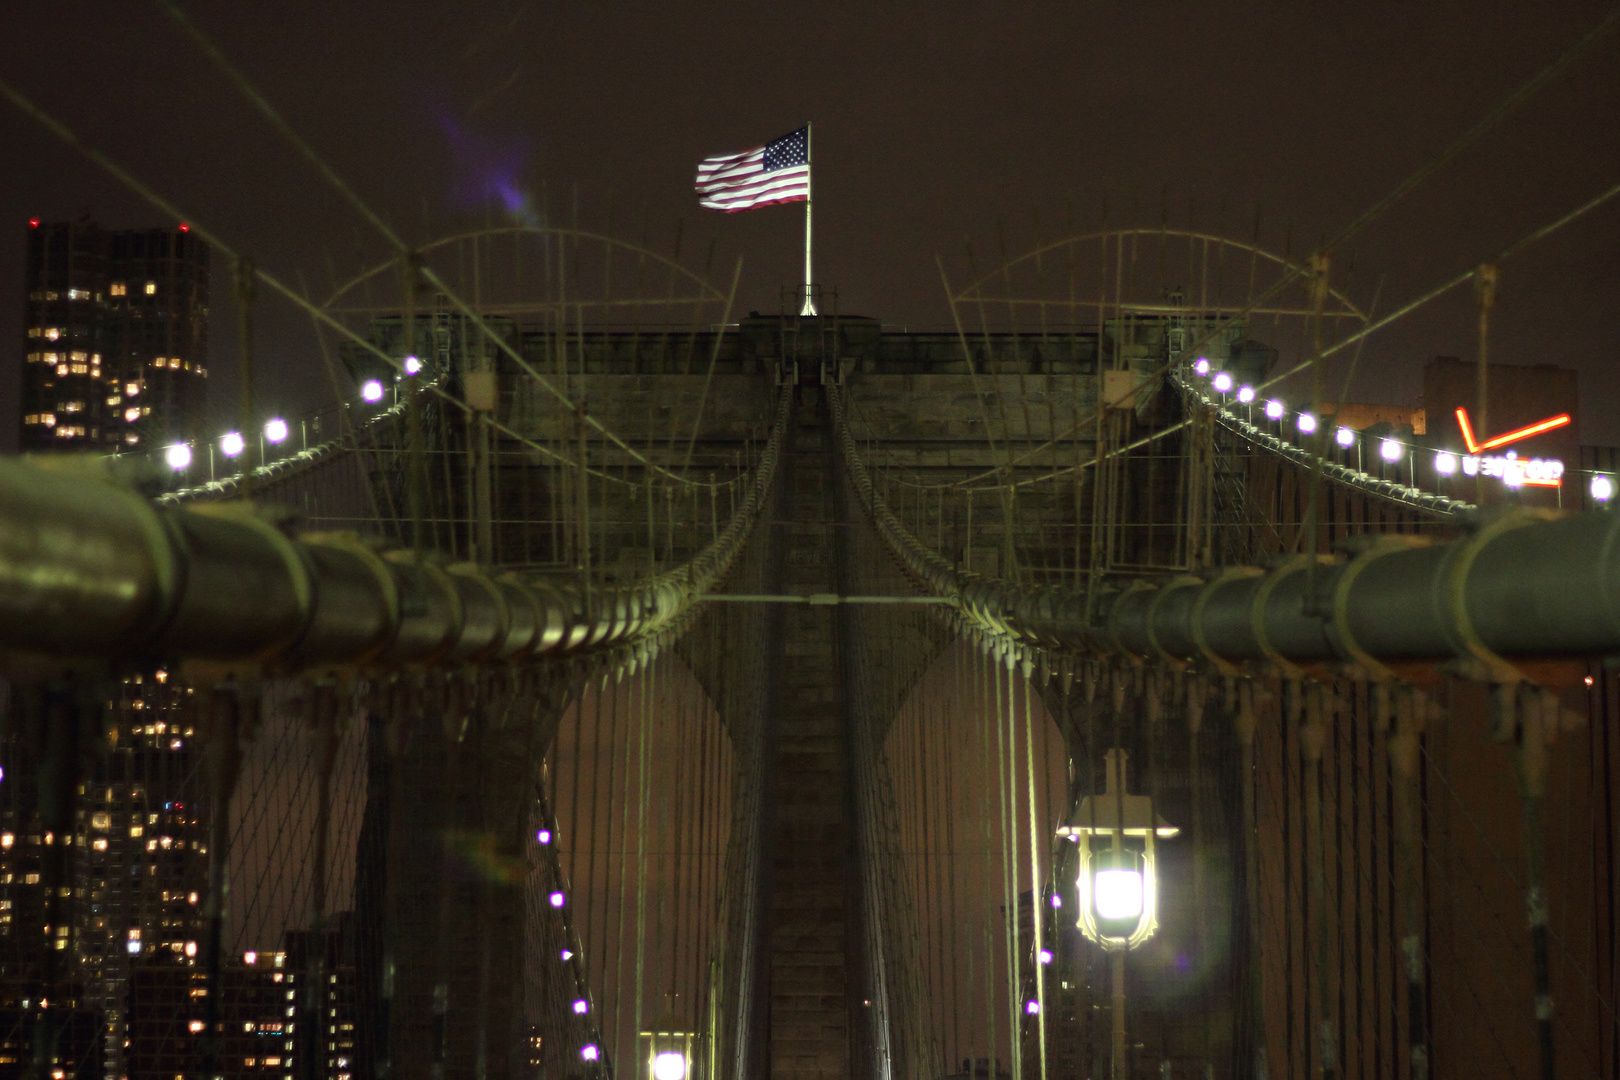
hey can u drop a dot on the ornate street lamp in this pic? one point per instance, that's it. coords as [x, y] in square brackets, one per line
[1117, 877]
[668, 1049]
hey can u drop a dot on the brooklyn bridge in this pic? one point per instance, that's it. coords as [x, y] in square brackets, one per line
[611, 686]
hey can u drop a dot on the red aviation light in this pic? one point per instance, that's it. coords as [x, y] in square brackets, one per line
[184, 227]
[33, 223]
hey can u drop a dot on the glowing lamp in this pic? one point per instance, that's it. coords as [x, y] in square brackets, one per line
[1045, 956]
[1307, 423]
[412, 365]
[1602, 488]
[558, 899]
[1389, 450]
[1245, 394]
[1445, 464]
[178, 456]
[1222, 382]
[1032, 1007]
[231, 443]
[275, 430]
[1201, 365]
[581, 1007]
[668, 1049]
[1275, 409]
[1345, 437]
[542, 836]
[589, 1052]
[1114, 833]
[372, 390]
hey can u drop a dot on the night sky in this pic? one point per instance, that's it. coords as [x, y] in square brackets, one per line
[933, 122]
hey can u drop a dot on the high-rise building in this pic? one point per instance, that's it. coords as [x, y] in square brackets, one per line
[116, 346]
[130, 875]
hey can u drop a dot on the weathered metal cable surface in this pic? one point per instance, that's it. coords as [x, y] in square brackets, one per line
[1525, 584]
[90, 568]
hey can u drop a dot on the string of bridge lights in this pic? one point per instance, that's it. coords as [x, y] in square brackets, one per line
[180, 456]
[1514, 471]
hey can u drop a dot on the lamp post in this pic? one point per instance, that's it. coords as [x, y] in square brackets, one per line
[1117, 877]
[667, 1049]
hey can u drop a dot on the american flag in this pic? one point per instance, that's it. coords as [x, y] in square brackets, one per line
[778, 172]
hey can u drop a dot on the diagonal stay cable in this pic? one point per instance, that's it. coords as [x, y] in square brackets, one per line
[66, 134]
[1462, 277]
[329, 174]
[1503, 108]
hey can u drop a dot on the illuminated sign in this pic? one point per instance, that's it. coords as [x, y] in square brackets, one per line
[1510, 468]
[1515, 471]
[1538, 428]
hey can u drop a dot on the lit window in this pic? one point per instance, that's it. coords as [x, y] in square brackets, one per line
[79, 356]
[132, 438]
[151, 288]
[30, 879]
[48, 419]
[53, 333]
[72, 406]
[161, 361]
[131, 415]
[31, 418]
[81, 369]
[196, 1026]
[61, 369]
[118, 288]
[115, 400]
[34, 357]
[132, 389]
[7, 839]
[100, 820]
[99, 843]
[174, 363]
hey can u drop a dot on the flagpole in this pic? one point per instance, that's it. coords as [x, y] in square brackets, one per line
[809, 307]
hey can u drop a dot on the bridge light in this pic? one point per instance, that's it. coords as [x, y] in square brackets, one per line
[1307, 423]
[1045, 956]
[1117, 883]
[1275, 409]
[1345, 437]
[412, 365]
[1201, 365]
[1444, 463]
[543, 836]
[1602, 488]
[1032, 1007]
[1389, 450]
[589, 1052]
[231, 443]
[1245, 394]
[666, 1047]
[581, 1007]
[178, 456]
[558, 899]
[372, 390]
[275, 430]
[1222, 382]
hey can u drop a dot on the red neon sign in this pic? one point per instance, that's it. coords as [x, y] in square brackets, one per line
[1538, 428]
